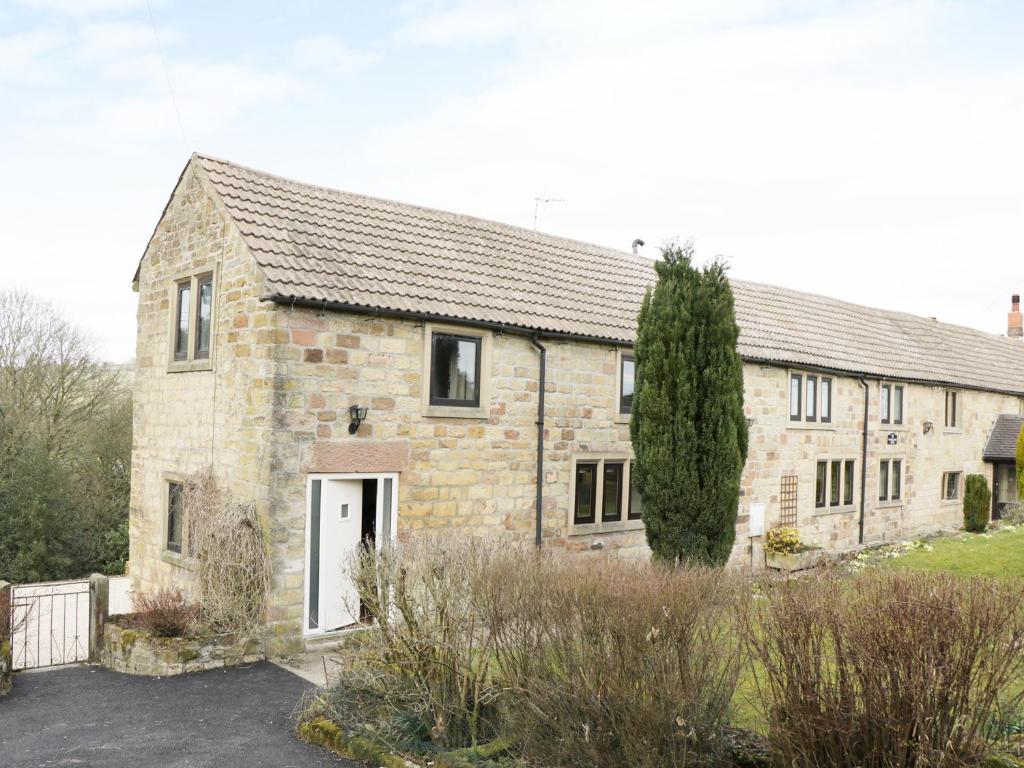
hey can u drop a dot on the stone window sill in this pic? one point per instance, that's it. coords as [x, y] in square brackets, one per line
[888, 504]
[622, 418]
[823, 511]
[807, 426]
[953, 431]
[618, 527]
[181, 561]
[454, 412]
[184, 366]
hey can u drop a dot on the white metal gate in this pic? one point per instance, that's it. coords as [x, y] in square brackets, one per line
[52, 623]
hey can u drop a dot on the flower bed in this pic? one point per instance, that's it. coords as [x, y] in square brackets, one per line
[137, 652]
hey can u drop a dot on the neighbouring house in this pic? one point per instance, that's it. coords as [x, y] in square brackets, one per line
[360, 368]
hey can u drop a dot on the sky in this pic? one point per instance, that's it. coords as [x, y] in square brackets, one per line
[870, 151]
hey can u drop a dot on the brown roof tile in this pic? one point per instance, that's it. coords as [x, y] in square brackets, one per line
[317, 244]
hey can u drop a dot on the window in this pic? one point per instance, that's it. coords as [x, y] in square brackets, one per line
[611, 496]
[810, 398]
[586, 493]
[602, 494]
[204, 316]
[174, 517]
[795, 387]
[819, 484]
[627, 374]
[833, 483]
[890, 479]
[891, 404]
[181, 327]
[636, 507]
[192, 326]
[953, 406]
[951, 486]
[897, 404]
[455, 370]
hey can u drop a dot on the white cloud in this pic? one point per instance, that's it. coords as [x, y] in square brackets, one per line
[105, 40]
[85, 7]
[24, 55]
[329, 54]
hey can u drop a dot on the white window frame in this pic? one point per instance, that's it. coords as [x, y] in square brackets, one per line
[599, 526]
[483, 410]
[190, 362]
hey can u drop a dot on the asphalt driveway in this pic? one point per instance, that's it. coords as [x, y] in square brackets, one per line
[87, 716]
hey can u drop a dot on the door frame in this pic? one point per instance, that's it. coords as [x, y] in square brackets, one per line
[381, 536]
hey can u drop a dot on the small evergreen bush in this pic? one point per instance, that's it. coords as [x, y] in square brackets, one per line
[977, 503]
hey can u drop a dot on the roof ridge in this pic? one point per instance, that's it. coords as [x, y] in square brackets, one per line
[527, 234]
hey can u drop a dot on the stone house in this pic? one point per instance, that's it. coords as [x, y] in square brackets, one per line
[363, 368]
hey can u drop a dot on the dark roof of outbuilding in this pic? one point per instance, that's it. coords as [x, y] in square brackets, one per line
[1002, 441]
[322, 245]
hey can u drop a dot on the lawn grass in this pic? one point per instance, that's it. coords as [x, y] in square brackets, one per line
[999, 554]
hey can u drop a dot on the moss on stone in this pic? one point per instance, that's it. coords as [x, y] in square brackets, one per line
[326, 734]
[188, 654]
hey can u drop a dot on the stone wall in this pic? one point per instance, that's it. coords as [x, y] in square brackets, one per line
[137, 653]
[185, 420]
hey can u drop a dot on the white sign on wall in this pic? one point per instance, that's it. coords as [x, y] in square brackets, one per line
[756, 522]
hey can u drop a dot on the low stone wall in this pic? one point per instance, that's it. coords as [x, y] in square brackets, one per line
[139, 653]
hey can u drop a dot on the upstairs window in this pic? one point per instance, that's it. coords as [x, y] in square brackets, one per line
[954, 405]
[192, 332]
[891, 404]
[810, 398]
[627, 376]
[455, 370]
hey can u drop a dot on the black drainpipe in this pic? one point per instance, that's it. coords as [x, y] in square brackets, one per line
[538, 538]
[863, 461]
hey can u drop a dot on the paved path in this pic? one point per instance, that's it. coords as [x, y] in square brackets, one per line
[89, 717]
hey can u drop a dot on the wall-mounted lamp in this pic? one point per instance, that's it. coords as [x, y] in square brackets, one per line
[356, 416]
[928, 427]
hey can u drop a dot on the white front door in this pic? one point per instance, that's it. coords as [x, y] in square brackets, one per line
[341, 520]
[334, 532]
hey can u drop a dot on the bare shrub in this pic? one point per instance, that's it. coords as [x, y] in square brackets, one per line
[611, 662]
[886, 669]
[164, 614]
[232, 563]
[431, 653]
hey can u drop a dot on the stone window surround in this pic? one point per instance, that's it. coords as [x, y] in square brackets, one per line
[598, 526]
[191, 363]
[458, 411]
[829, 509]
[890, 425]
[802, 423]
[959, 488]
[182, 559]
[959, 426]
[889, 502]
[621, 352]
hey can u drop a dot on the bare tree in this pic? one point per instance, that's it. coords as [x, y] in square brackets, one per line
[50, 380]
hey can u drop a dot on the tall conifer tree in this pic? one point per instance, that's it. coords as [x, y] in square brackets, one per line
[688, 428]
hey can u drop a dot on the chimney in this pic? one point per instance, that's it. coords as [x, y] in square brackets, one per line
[1014, 319]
